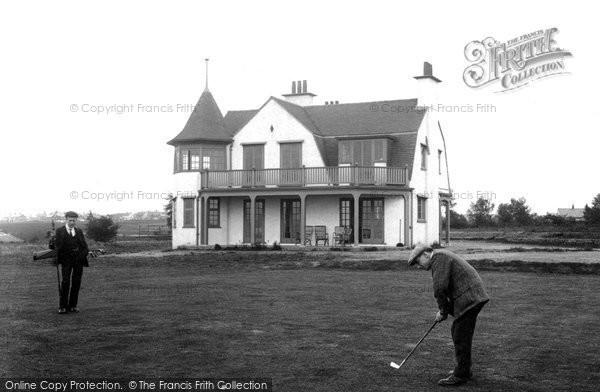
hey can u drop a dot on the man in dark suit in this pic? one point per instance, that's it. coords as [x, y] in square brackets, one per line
[71, 251]
[459, 291]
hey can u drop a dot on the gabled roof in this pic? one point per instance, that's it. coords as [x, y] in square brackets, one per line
[236, 119]
[205, 123]
[571, 212]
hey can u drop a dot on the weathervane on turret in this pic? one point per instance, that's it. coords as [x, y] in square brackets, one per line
[206, 60]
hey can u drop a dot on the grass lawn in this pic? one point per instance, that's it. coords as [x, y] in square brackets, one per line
[250, 314]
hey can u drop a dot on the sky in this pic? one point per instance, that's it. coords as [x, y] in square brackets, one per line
[64, 62]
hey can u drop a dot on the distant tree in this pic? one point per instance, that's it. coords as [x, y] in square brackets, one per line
[480, 212]
[521, 212]
[504, 214]
[591, 215]
[168, 208]
[517, 211]
[457, 221]
[101, 229]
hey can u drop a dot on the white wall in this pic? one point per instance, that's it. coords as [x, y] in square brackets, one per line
[183, 236]
[429, 182]
[285, 128]
[394, 220]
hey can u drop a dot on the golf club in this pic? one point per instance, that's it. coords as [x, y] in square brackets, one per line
[396, 366]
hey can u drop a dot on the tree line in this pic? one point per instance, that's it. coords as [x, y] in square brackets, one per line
[517, 213]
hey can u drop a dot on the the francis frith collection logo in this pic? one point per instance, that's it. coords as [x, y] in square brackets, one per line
[516, 62]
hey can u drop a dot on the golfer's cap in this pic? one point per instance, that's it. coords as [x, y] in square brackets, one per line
[71, 214]
[416, 252]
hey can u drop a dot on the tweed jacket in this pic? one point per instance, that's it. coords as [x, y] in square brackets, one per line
[66, 253]
[457, 286]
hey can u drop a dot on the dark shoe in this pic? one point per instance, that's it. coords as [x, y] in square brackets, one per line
[62, 311]
[74, 310]
[451, 373]
[452, 380]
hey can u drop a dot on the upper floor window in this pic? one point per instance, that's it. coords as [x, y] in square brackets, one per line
[421, 209]
[290, 155]
[362, 152]
[207, 157]
[424, 154]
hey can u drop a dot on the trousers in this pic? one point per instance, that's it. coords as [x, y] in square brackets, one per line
[462, 331]
[71, 282]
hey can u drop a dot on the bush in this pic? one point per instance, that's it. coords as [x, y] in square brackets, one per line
[101, 229]
[276, 246]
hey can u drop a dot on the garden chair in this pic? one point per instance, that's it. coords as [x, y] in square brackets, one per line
[321, 235]
[308, 233]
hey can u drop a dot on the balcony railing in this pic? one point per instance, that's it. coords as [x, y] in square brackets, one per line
[306, 176]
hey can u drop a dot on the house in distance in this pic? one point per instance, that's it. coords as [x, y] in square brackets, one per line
[296, 172]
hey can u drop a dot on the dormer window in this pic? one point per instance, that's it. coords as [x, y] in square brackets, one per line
[362, 152]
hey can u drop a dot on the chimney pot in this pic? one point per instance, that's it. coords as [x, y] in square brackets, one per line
[299, 88]
[427, 69]
[293, 87]
[337, 102]
[304, 89]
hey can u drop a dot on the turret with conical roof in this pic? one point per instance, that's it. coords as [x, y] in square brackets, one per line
[205, 123]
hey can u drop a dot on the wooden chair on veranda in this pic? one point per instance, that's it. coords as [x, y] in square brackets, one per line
[321, 235]
[308, 233]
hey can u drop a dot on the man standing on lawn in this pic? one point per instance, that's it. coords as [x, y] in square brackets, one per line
[71, 251]
[459, 291]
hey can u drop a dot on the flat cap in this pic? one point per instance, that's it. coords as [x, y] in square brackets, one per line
[416, 252]
[71, 214]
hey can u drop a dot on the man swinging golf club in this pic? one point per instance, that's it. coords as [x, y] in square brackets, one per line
[459, 291]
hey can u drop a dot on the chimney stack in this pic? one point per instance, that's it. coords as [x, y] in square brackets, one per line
[300, 95]
[427, 84]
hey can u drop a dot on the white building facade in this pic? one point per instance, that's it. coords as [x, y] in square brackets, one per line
[371, 173]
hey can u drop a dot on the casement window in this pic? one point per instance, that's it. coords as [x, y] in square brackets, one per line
[214, 213]
[194, 160]
[440, 161]
[213, 157]
[207, 157]
[290, 155]
[185, 161]
[362, 152]
[254, 156]
[188, 212]
[424, 154]
[421, 209]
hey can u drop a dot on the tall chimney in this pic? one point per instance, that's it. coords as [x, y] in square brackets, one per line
[427, 86]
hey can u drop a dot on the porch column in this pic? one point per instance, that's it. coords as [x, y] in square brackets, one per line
[302, 218]
[357, 231]
[252, 219]
[408, 227]
[448, 222]
[205, 220]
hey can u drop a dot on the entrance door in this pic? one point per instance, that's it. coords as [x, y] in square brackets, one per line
[347, 216]
[371, 221]
[259, 222]
[290, 221]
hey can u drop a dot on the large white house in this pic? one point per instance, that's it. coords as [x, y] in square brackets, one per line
[291, 171]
